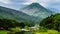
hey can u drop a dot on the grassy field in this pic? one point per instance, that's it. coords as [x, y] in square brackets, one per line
[48, 32]
[40, 31]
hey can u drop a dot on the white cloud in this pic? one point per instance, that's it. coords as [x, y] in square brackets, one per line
[54, 4]
[28, 2]
[46, 3]
[42, 2]
[5, 1]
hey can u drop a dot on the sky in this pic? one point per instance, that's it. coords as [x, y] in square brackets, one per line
[17, 4]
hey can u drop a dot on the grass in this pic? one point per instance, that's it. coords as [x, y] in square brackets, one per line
[40, 31]
[48, 32]
[3, 32]
[16, 29]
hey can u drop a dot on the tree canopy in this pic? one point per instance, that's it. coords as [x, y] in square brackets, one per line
[52, 22]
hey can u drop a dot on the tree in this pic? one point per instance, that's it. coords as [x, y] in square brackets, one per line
[21, 25]
[52, 22]
[6, 24]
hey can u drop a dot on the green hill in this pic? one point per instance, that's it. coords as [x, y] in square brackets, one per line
[16, 15]
[52, 22]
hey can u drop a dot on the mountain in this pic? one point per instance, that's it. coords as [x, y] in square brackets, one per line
[36, 10]
[15, 14]
[54, 10]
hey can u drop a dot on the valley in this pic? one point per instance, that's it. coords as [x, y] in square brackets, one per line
[32, 19]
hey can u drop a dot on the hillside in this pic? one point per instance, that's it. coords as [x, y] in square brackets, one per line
[17, 15]
[52, 22]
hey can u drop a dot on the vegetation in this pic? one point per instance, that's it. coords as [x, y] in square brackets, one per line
[52, 22]
[49, 25]
[6, 24]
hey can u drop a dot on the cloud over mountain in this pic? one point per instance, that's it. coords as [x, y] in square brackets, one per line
[16, 4]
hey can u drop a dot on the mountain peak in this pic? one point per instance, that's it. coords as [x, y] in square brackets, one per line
[35, 4]
[36, 10]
